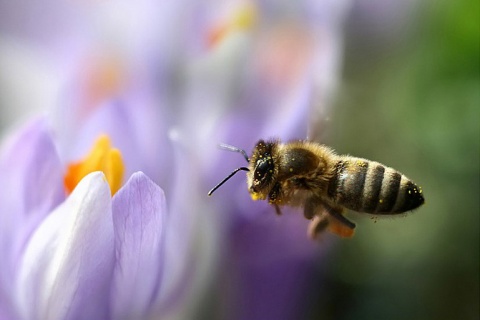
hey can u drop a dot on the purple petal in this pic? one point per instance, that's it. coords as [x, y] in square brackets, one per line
[32, 185]
[270, 262]
[68, 264]
[139, 214]
[127, 121]
[191, 243]
[32, 175]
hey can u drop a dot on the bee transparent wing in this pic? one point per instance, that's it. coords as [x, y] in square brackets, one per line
[323, 217]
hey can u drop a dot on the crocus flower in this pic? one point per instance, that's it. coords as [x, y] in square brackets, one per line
[164, 102]
[79, 256]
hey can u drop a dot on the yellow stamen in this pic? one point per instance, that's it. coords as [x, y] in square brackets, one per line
[103, 158]
[242, 19]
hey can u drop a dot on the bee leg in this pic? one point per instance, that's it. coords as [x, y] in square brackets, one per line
[339, 225]
[317, 225]
[273, 197]
[277, 209]
[311, 205]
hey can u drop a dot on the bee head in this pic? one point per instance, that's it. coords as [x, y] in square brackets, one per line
[262, 171]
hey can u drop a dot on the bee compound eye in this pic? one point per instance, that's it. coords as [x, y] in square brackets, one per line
[263, 167]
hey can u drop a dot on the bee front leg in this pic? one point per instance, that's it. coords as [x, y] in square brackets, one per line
[274, 198]
[277, 209]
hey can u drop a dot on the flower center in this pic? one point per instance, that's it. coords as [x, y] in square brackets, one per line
[242, 19]
[103, 77]
[103, 158]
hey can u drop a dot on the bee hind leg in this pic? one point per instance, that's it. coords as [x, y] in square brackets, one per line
[339, 225]
[328, 218]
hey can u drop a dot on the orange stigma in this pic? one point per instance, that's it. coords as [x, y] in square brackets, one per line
[103, 158]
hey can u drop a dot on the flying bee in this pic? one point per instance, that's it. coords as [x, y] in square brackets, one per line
[310, 175]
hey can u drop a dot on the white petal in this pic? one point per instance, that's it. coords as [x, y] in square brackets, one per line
[67, 266]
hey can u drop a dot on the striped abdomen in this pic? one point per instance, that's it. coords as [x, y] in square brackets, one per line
[368, 186]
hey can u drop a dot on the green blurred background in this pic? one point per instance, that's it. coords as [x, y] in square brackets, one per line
[410, 99]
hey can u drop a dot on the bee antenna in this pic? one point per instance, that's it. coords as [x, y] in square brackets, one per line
[225, 180]
[234, 149]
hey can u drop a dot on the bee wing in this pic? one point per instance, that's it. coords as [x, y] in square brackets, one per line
[328, 218]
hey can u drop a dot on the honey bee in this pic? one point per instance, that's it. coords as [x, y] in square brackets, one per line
[310, 175]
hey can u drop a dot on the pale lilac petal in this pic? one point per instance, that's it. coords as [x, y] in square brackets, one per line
[192, 242]
[31, 186]
[68, 263]
[127, 122]
[32, 175]
[139, 217]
